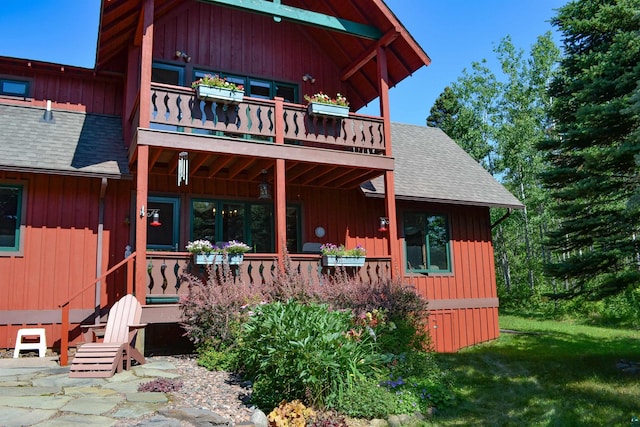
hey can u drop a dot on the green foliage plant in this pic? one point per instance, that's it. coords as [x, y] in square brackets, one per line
[292, 351]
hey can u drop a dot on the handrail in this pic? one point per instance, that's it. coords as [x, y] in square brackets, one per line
[64, 339]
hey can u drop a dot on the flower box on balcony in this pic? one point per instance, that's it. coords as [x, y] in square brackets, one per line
[342, 261]
[329, 110]
[212, 93]
[219, 258]
[212, 258]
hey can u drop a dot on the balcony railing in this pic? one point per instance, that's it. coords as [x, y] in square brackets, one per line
[164, 271]
[256, 119]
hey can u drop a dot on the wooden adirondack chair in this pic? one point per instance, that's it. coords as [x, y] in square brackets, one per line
[103, 359]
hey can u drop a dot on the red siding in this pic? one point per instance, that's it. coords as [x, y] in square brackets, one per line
[229, 40]
[69, 88]
[60, 246]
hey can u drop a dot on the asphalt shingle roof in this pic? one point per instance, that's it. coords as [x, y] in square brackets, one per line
[75, 143]
[430, 166]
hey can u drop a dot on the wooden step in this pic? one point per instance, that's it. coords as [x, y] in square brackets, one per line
[97, 361]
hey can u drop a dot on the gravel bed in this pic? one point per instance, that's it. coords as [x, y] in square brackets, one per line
[218, 391]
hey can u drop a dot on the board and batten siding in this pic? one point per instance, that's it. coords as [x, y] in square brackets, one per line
[463, 304]
[60, 250]
[68, 88]
[230, 40]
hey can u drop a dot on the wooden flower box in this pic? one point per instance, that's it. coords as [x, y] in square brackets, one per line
[210, 93]
[342, 261]
[329, 110]
[231, 259]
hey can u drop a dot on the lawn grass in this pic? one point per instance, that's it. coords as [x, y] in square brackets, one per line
[544, 373]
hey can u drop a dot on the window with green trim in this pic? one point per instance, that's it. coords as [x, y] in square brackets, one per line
[427, 242]
[10, 217]
[11, 87]
[163, 236]
[253, 223]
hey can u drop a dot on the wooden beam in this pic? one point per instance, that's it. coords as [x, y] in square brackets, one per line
[368, 54]
[234, 147]
[302, 16]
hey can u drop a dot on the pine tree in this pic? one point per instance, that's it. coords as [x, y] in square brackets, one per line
[590, 163]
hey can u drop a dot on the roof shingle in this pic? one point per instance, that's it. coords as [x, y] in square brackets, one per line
[430, 166]
[75, 143]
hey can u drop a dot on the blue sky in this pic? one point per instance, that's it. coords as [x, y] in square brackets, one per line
[454, 33]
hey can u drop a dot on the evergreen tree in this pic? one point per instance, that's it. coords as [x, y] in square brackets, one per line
[505, 118]
[590, 164]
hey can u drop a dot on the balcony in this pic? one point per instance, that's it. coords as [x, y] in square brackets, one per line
[262, 120]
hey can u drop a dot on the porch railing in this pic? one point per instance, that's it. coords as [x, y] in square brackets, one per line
[256, 119]
[66, 325]
[164, 271]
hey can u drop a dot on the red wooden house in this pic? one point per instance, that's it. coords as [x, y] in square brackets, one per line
[91, 161]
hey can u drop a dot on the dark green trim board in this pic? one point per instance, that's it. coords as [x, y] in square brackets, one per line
[302, 16]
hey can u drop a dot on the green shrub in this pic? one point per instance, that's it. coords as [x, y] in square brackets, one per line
[418, 383]
[295, 351]
[364, 399]
[224, 358]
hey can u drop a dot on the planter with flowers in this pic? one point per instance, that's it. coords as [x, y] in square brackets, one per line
[233, 252]
[339, 256]
[216, 88]
[321, 104]
[205, 253]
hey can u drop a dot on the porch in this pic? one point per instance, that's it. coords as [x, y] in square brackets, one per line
[164, 269]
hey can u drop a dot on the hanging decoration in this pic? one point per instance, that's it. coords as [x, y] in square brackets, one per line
[183, 168]
[264, 189]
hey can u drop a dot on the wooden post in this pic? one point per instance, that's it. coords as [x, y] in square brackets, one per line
[64, 336]
[389, 182]
[279, 190]
[142, 177]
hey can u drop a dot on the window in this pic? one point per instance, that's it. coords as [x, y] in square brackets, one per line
[427, 243]
[10, 217]
[14, 88]
[163, 237]
[253, 223]
[167, 74]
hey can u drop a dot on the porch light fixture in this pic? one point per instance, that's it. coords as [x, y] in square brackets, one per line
[308, 78]
[183, 168]
[183, 55]
[264, 189]
[384, 224]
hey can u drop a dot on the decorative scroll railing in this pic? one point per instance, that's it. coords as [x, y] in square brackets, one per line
[166, 269]
[256, 119]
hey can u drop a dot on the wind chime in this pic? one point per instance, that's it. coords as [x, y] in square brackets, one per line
[183, 168]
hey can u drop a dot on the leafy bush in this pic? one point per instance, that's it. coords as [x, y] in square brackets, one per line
[417, 382]
[294, 351]
[223, 358]
[364, 399]
[402, 305]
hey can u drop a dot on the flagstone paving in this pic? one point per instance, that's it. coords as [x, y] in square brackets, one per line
[38, 392]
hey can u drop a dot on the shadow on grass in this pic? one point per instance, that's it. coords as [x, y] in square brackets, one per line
[543, 379]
